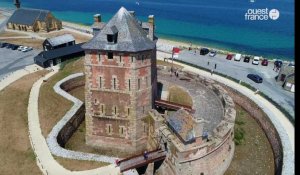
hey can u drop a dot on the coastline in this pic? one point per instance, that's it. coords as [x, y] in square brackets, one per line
[164, 43]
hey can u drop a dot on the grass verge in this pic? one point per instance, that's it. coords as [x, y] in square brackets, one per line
[253, 152]
[17, 157]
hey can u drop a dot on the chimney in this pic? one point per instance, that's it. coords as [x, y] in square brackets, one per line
[97, 18]
[17, 4]
[132, 13]
[151, 27]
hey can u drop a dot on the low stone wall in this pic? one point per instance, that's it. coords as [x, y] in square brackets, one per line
[264, 122]
[64, 129]
[71, 126]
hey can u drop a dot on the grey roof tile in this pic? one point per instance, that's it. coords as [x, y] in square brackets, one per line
[181, 123]
[62, 39]
[27, 16]
[131, 36]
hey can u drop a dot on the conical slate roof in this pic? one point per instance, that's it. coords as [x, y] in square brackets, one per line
[130, 35]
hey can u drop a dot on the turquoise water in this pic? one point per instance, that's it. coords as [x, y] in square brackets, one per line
[214, 23]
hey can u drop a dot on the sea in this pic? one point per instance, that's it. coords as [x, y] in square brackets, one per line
[220, 24]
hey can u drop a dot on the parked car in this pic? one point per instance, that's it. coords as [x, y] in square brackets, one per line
[14, 47]
[204, 51]
[237, 57]
[20, 48]
[3, 45]
[25, 49]
[255, 60]
[255, 78]
[229, 56]
[247, 59]
[264, 62]
[8, 46]
[212, 53]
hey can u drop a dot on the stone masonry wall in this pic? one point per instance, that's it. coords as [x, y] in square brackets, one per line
[264, 123]
[67, 131]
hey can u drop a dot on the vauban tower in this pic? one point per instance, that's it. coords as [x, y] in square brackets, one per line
[121, 83]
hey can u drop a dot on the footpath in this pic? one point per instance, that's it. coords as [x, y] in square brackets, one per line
[45, 160]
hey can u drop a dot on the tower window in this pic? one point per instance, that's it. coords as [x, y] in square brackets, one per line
[132, 59]
[139, 84]
[109, 129]
[121, 130]
[128, 111]
[110, 55]
[129, 84]
[114, 83]
[99, 57]
[115, 109]
[120, 58]
[100, 82]
[102, 109]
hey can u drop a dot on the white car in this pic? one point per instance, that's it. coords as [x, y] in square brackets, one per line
[20, 48]
[25, 49]
[255, 60]
[212, 53]
[237, 57]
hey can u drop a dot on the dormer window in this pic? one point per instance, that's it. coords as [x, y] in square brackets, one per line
[112, 34]
[110, 38]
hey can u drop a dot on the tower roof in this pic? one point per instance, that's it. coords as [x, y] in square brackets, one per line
[130, 35]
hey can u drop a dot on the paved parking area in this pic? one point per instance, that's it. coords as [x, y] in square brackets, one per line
[12, 60]
[240, 70]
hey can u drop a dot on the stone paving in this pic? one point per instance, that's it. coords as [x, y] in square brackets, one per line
[207, 104]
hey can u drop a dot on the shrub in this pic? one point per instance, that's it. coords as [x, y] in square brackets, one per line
[239, 135]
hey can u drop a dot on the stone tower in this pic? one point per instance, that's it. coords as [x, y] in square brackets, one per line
[121, 82]
[17, 4]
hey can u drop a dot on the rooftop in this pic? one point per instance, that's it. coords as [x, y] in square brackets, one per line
[28, 16]
[60, 52]
[62, 39]
[181, 122]
[130, 38]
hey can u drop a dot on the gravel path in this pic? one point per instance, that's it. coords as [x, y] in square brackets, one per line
[54, 147]
[45, 160]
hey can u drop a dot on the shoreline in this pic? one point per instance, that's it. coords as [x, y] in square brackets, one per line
[164, 42]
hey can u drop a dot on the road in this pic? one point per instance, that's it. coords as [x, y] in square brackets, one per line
[239, 70]
[12, 60]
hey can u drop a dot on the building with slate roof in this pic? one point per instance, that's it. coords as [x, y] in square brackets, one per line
[120, 93]
[33, 20]
[58, 42]
[53, 57]
[286, 75]
[121, 83]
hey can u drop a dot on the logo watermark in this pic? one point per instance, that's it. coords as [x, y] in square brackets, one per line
[261, 14]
